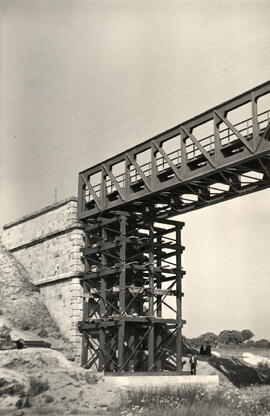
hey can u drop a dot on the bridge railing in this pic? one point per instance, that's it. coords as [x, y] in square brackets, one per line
[100, 188]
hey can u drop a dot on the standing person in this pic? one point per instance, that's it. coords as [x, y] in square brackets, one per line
[193, 364]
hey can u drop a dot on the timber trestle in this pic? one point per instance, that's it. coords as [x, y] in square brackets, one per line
[132, 267]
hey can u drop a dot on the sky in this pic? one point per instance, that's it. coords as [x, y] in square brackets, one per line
[81, 81]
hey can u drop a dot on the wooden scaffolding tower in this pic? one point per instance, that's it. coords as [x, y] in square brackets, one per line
[132, 311]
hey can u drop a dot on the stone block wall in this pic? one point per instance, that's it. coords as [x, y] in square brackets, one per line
[63, 298]
[47, 243]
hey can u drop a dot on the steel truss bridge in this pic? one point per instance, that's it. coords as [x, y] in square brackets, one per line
[133, 249]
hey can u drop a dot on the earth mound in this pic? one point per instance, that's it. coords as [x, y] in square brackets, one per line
[42, 381]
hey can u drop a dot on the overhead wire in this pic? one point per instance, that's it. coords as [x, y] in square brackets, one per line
[64, 190]
[67, 189]
[100, 128]
[77, 149]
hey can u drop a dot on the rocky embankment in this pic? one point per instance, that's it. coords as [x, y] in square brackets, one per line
[39, 381]
[35, 381]
[20, 302]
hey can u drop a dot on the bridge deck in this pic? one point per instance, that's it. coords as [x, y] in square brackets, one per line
[220, 154]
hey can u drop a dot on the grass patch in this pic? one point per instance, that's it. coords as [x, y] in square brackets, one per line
[188, 400]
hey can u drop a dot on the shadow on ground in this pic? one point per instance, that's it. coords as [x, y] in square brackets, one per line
[236, 371]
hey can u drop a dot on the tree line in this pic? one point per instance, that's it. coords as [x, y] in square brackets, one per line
[230, 337]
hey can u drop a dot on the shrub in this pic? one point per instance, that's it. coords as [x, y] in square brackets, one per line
[92, 378]
[25, 326]
[247, 334]
[48, 399]
[230, 337]
[263, 371]
[250, 344]
[265, 402]
[262, 343]
[207, 338]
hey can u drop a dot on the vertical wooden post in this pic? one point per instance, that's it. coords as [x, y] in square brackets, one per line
[151, 334]
[159, 284]
[159, 303]
[158, 342]
[113, 349]
[131, 341]
[122, 292]
[103, 289]
[178, 299]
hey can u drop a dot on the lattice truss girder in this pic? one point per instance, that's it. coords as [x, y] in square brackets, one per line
[220, 154]
[133, 275]
[232, 182]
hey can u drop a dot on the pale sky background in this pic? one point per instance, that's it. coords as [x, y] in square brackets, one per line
[84, 80]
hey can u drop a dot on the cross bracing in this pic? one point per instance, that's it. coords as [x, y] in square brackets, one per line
[184, 168]
[132, 269]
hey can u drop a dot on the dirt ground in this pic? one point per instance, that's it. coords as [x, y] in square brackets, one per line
[48, 383]
[42, 381]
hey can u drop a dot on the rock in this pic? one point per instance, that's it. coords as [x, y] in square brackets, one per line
[30, 358]
[70, 357]
[4, 331]
[23, 401]
[13, 388]
[5, 338]
[92, 378]
[9, 385]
